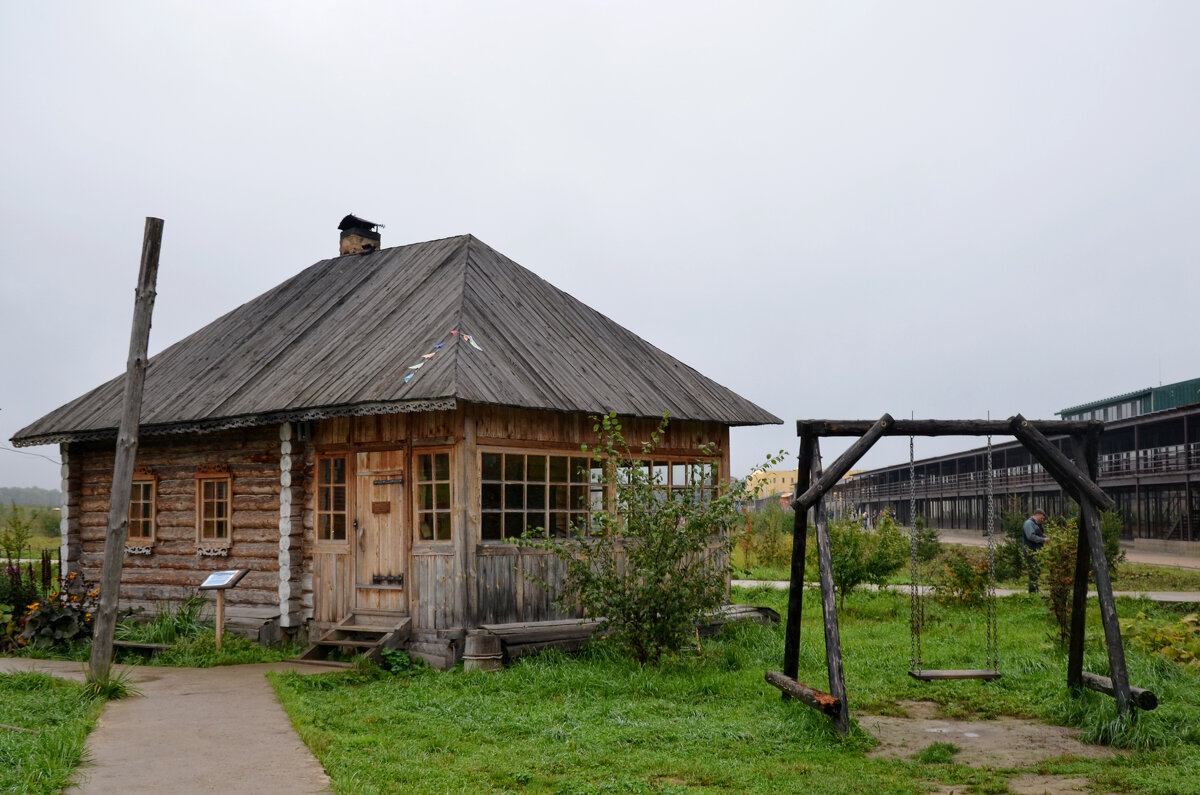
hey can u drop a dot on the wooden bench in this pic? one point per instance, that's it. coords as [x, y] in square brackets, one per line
[149, 649]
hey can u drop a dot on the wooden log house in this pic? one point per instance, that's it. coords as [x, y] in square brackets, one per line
[365, 436]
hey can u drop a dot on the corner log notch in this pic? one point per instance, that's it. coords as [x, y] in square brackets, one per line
[1077, 478]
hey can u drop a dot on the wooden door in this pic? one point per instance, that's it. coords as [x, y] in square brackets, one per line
[381, 543]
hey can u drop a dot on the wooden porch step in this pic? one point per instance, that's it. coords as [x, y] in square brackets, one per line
[390, 636]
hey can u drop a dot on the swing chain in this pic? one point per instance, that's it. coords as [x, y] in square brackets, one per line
[993, 651]
[916, 609]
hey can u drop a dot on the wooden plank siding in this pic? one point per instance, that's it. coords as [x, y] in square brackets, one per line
[173, 569]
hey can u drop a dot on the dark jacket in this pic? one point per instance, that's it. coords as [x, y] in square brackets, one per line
[1034, 537]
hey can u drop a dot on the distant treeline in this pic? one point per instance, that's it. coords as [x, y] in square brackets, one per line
[32, 495]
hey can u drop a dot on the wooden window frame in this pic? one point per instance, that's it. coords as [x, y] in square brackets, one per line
[347, 501]
[419, 509]
[201, 480]
[143, 479]
[498, 491]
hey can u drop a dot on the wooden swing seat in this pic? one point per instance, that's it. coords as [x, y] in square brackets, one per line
[962, 673]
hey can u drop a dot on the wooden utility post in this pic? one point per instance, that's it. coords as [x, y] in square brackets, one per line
[127, 441]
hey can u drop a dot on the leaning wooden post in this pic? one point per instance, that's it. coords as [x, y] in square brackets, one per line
[126, 453]
[833, 640]
[1083, 562]
[1090, 518]
[795, 608]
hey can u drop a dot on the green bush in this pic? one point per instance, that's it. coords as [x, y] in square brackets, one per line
[16, 528]
[767, 540]
[651, 566]
[170, 623]
[929, 541]
[64, 617]
[401, 663]
[1178, 642]
[862, 556]
[963, 577]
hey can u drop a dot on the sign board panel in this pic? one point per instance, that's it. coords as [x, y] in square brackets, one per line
[220, 580]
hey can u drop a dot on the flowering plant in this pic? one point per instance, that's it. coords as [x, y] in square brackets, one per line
[64, 617]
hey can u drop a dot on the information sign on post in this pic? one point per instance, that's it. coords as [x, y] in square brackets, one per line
[221, 581]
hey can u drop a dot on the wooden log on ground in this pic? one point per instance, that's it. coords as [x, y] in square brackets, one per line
[801, 692]
[842, 465]
[1141, 698]
[940, 427]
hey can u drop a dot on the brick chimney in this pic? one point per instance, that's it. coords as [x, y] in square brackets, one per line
[358, 236]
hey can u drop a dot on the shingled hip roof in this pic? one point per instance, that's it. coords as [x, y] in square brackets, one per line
[410, 328]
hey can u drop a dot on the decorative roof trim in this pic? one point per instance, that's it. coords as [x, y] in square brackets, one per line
[248, 421]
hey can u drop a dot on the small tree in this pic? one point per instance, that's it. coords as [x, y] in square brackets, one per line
[652, 564]
[16, 532]
[864, 556]
[1057, 559]
[768, 536]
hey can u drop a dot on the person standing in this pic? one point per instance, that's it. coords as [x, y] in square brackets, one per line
[1035, 537]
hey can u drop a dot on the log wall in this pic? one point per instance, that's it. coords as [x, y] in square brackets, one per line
[174, 569]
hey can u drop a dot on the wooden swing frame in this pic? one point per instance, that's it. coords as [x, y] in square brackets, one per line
[1077, 477]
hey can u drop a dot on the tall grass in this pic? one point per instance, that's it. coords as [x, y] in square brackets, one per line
[58, 716]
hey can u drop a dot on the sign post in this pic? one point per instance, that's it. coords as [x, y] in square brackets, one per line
[221, 581]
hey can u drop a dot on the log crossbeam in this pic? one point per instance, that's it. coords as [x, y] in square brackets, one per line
[818, 700]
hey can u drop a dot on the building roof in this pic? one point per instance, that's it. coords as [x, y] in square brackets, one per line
[344, 337]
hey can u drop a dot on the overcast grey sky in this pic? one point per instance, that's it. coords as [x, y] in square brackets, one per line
[836, 209]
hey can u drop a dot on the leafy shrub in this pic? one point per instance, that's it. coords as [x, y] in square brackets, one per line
[64, 617]
[16, 528]
[1057, 560]
[1178, 641]
[651, 566]
[401, 663]
[862, 556]
[929, 541]
[964, 577]
[767, 540]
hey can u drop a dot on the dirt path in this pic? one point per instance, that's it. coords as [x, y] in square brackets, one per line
[1000, 743]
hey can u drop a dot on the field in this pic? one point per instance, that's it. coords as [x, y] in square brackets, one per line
[705, 721]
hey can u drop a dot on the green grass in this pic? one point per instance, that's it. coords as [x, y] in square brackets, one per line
[707, 722]
[60, 715]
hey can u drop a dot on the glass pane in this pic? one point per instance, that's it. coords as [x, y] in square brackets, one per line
[222, 528]
[679, 474]
[537, 468]
[514, 467]
[490, 529]
[579, 522]
[323, 523]
[490, 466]
[558, 525]
[535, 522]
[596, 502]
[514, 524]
[339, 497]
[514, 496]
[535, 496]
[424, 467]
[443, 526]
[222, 490]
[490, 496]
[579, 470]
[339, 527]
[659, 472]
[425, 526]
[441, 466]
[324, 501]
[443, 496]
[559, 468]
[579, 497]
[339, 470]
[597, 472]
[558, 497]
[210, 510]
[425, 498]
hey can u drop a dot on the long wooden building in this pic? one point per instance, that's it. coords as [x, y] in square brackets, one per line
[365, 436]
[1149, 463]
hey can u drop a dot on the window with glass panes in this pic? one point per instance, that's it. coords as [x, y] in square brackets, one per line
[141, 513]
[679, 476]
[212, 516]
[527, 491]
[433, 496]
[331, 498]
